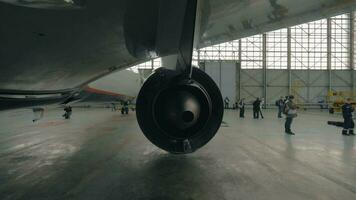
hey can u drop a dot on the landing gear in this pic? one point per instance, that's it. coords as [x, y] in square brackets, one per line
[177, 113]
[181, 109]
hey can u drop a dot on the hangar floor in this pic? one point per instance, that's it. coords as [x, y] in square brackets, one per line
[100, 154]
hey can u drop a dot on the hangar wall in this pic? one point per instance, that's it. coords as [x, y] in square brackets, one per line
[225, 76]
[308, 86]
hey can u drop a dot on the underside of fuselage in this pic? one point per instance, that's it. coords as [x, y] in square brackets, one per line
[45, 46]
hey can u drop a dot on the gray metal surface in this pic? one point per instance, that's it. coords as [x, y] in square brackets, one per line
[224, 75]
[56, 49]
[228, 81]
[124, 82]
[99, 154]
[233, 19]
[60, 49]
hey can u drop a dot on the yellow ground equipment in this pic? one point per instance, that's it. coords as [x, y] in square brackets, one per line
[337, 99]
[296, 90]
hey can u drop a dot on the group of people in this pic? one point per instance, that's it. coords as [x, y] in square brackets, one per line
[124, 107]
[285, 106]
[68, 109]
[257, 108]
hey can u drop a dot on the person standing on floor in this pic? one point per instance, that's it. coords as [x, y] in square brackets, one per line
[262, 103]
[280, 105]
[241, 106]
[125, 108]
[236, 106]
[68, 112]
[349, 124]
[290, 110]
[256, 108]
[227, 101]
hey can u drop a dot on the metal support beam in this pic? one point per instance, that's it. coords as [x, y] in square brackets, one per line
[308, 69]
[289, 59]
[264, 65]
[240, 71]
[352, 49]
[220, 77]
[152, 65]
[238, 80]
[198, 56]
[329, 54]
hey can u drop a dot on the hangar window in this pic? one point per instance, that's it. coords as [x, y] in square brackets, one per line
[224, 51]
[152, 64]
[145, 65]
[251, 52]
[195, 58]
[277, 49]
[210, 53]
[309, 46]
[229, 50]
[340, 40]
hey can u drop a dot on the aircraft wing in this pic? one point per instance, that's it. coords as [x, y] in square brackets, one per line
[227, 20]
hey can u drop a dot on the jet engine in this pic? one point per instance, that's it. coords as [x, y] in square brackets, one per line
[177, 113]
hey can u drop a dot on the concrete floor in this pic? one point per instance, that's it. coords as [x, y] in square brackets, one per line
[99, 154]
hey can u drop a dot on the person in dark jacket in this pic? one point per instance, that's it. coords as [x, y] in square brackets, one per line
[290, 110]
[256, 108]
[125, 108]
[262, 104]
[68, 112]
[280, 105]
[241, 106]
[349, 124]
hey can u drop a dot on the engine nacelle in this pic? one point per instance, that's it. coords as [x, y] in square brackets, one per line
[177, 113]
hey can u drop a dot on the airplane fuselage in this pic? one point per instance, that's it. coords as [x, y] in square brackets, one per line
[52, 45]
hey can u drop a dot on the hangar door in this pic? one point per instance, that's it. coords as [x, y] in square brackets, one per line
[224, 75]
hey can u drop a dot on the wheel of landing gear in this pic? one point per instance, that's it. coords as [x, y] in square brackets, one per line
[179, 114]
